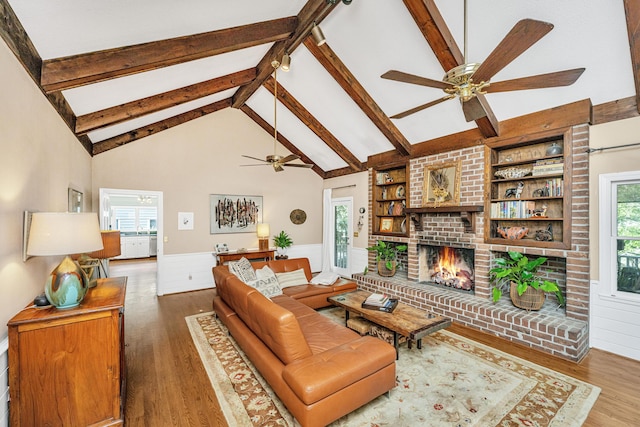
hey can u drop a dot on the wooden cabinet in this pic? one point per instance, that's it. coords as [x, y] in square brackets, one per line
[134, 247]
[389, 204]
[528, 187]
[66, 367]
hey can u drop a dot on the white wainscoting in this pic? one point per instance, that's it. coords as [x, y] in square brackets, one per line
[614, 324]
[185, 272]
[359, 260]
[4, 383]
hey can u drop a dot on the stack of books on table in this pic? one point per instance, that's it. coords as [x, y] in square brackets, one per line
[381, 302]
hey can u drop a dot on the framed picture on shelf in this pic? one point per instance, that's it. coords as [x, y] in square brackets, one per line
[441, 184]
[386, 225]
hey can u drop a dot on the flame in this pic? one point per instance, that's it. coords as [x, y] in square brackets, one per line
[447, 263]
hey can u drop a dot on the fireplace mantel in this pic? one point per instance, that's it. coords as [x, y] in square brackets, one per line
[467, 215]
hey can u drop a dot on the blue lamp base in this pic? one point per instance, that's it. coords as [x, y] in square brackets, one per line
[67, 284]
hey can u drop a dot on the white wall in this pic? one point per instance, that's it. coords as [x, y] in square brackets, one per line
[614, 324]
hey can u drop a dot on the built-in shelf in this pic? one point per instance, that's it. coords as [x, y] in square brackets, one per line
[467, 215]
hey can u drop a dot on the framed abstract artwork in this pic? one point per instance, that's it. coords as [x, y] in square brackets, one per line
[235, 213]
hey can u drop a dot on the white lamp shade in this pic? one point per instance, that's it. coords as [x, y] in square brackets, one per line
[263, 230]
[63, 233]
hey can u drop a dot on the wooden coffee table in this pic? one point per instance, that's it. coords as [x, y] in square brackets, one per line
[407, 321]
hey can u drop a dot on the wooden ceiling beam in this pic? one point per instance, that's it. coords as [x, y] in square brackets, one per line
[632, 14]
[281, 139]
[141, 132]
[341, 74]
[314, 125]
[430, 22]
[312, 11]
[77, 70]
[151, 104]
[619, 109]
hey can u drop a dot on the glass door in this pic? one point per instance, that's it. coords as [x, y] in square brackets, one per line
[341, 220]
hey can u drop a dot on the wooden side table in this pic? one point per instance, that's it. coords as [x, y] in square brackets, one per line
[255, 255]
[66, 367]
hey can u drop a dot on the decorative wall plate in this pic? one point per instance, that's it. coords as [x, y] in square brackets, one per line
[298, 216]
[400, 191]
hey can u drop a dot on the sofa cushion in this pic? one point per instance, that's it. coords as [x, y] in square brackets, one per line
[268, 287]
[243, 270]
[292, 278]
[278, 328]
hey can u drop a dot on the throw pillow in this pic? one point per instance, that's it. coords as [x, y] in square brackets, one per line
[325, 278]
[292, 278]
[243, 270]
[265, 273]
[268, 287]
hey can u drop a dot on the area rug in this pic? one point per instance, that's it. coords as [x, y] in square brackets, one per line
[451, 381]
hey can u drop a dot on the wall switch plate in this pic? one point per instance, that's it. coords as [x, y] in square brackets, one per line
[355, 234]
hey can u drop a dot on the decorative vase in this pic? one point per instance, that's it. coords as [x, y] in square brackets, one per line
[384, 271]
[531, 299]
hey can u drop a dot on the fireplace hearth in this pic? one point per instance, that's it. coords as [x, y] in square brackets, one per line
[447, 267]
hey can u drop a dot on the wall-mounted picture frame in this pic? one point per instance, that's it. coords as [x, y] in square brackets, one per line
[75, 199]
[185, 220]
[386, 225]
[222, 248]
[441, 184]
[234, 213]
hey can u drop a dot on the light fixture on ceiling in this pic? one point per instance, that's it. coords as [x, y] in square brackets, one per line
[318, 37]
[347, 2]
[286, 62]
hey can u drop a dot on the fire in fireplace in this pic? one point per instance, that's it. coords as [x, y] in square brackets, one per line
[447, 266]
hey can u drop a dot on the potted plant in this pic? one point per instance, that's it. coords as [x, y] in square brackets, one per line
[387, 257]
[282, 241]
[526, 288]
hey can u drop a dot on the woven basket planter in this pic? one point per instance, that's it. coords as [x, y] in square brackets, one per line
[384, 271]
[531, 299]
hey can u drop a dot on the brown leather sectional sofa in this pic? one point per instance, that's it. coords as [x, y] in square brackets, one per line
[320, 370]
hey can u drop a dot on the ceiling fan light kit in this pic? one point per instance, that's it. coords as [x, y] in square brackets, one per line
[286, 63]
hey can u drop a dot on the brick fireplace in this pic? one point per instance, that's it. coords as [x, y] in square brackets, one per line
[559, 331]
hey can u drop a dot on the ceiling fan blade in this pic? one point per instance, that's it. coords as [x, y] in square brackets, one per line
[289, 158]
[560, 78]
[298, 165]
[422, 107]
[262, 164]
[277, 167]
[522, 36]
[416, 80]
[255, 158]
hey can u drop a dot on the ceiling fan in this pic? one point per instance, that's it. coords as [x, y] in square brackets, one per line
[278, 162]
[468, 80]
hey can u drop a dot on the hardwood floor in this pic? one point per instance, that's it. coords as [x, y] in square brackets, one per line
[167, 384]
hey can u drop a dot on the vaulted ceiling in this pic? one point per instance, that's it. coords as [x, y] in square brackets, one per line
[118, 71]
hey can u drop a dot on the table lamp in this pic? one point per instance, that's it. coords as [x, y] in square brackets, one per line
[57, 233]
[263, 236]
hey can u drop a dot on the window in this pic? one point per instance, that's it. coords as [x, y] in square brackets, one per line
[620, 234]
[135, 219]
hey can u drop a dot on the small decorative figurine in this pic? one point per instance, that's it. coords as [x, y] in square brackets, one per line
[513, 233]
[545, 235]
[541, 212]
[515, 191]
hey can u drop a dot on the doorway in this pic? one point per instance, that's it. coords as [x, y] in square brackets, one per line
[138, 214]
[342, 229]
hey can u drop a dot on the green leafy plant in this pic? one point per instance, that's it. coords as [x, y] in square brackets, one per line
[387, 252]
[282, 240]
[523, 272]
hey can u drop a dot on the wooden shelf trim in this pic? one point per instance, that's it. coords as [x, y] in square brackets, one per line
[467, 215]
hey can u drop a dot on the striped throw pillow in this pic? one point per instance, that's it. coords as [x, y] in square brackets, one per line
[292, 278]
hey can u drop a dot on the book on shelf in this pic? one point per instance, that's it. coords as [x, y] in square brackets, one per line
[388, 306]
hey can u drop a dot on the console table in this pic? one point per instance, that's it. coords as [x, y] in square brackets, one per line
[250, 255]
[66, 367]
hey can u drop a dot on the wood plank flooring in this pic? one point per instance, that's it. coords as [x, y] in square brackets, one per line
[167, 384]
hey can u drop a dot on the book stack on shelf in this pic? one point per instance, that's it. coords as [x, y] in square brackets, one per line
[548, 167]
[380, 302]
[513, 209]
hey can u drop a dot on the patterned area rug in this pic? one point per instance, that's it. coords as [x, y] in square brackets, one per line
[451, 381]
